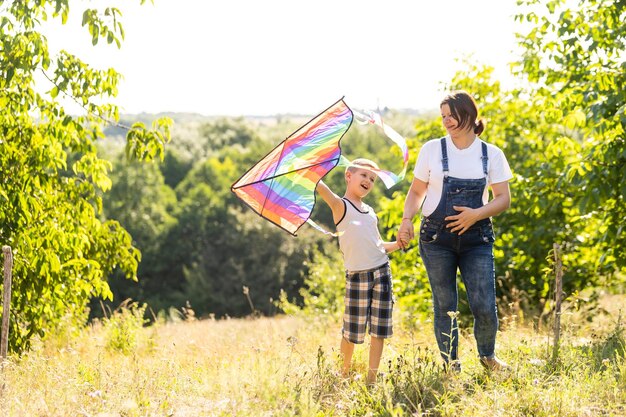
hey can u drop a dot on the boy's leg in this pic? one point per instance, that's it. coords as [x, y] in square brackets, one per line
[381, 321]
[346, 348]
[354, 317]
[376, 352]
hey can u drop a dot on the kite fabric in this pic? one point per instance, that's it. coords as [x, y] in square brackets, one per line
[281, 186]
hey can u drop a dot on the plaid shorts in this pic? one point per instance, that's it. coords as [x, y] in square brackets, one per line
[368, 299]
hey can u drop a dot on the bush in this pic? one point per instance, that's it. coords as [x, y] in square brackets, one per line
[122, 328]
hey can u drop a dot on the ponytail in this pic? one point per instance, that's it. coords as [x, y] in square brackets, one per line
[479, 127]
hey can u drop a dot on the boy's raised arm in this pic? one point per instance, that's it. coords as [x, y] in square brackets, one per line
[333, 200]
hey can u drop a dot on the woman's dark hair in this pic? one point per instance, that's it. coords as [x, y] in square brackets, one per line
[464, 110]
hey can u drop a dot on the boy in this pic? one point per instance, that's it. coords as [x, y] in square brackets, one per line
[368, 296]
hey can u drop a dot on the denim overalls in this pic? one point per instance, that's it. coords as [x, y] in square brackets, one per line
[443, 251]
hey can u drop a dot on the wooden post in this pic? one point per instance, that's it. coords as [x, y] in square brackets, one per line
[558, 292]
[6, 303]
[246, 292]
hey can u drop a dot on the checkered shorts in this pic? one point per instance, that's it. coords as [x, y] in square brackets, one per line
[368, 299]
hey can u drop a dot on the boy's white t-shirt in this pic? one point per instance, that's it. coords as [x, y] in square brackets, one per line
[360, 241]
[462, 163]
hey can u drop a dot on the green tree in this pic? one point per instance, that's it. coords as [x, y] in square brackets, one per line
[574, 59]
[193, 144]
[52, 176]
[146, 207]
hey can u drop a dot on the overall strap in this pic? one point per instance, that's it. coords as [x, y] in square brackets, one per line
[444, 154]
[485, 158]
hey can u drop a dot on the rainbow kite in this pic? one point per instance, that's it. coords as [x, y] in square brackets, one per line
[281, 186]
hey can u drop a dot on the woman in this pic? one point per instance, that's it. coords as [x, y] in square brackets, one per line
[451, 178]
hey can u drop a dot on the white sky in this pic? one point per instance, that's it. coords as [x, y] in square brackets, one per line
[253, 57]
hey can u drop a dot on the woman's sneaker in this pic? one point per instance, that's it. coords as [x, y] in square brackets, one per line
[492, 363]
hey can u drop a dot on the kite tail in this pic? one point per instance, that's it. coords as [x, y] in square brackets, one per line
[387, 177]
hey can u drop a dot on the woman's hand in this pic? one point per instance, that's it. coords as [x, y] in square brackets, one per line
[412, 203]
[468, 216]
[405, 233]
[464, 220]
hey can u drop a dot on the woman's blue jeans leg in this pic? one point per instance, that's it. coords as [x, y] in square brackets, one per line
[441, 266]
[478, 273]
[476, 265]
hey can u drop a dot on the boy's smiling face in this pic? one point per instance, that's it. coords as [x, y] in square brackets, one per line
[360, 181]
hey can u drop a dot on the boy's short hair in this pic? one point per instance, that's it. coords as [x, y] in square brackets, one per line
[362, 163]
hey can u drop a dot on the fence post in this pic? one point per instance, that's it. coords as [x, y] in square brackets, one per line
[558, 294]
[6, 303]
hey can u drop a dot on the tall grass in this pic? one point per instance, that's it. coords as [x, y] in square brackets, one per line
[289, 366]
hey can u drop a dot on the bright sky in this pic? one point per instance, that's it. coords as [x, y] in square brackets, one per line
[252, 57]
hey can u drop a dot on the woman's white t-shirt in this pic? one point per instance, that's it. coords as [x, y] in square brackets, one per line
[462, 163]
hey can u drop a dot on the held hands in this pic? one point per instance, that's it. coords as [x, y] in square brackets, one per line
[462, 221]
[405, 233]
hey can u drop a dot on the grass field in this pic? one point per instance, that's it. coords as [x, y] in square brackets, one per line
[288, 366]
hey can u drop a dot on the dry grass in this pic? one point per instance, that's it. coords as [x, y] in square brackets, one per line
[287, 366]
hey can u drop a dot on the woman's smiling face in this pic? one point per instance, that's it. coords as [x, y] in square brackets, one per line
[448, 120]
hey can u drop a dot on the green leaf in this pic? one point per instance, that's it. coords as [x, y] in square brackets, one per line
[10, 74]
[575, 119]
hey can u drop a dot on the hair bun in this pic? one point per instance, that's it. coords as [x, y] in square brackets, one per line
[479, 127]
